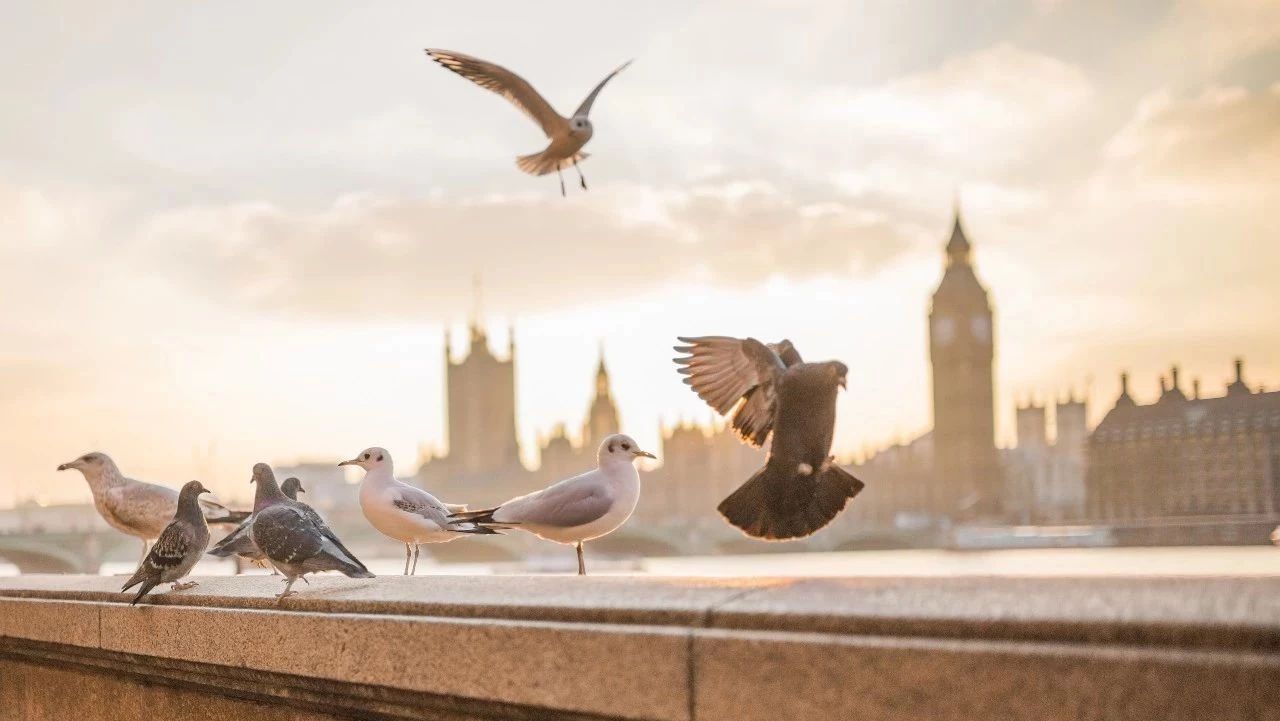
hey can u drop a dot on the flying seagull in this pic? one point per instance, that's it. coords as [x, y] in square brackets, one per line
[403, 512]
[770, 389]
[178, 548]
[134, 507]
[576, 509]
[240, 543]
[293, 537]
[567, 135]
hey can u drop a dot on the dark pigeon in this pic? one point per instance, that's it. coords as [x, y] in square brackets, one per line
[179, 546]
[240, 543]
[293, 537]
[770, 390]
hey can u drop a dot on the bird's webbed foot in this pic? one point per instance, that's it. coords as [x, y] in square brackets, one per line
[175, 586]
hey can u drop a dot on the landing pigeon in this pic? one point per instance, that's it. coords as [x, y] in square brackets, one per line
[769, 389]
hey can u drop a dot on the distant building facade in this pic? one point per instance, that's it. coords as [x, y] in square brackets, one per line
[1044, 481]
[483, 463]
[1183, 459]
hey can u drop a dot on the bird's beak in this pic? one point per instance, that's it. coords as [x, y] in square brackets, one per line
[844, 382]
[646, 454]
[351, 462]
[66, 466]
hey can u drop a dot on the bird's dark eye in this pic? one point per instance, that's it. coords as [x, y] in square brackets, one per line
[379, 457]
[611, 447]
[626, 446]
[366, 456]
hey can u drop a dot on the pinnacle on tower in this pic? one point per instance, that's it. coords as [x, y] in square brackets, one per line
[958, 247]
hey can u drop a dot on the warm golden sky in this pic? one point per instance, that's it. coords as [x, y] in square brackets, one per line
[233, 232]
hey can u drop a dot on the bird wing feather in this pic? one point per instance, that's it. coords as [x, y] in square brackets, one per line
[573, 502]
[585, 108]
[420, 503]
[733, 373]
[144, 507]
[285, 534]
[514, 88]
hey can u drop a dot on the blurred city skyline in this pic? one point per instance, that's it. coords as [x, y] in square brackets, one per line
[213, 254]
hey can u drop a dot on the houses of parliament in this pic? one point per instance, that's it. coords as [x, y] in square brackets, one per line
[1187, 465]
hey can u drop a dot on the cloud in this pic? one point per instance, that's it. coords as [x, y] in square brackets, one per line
[1226, 140]
[372, 255]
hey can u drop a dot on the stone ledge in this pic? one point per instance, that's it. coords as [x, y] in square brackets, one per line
[652, 648]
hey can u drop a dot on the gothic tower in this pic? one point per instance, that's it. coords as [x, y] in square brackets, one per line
[602, 417]
[962, 351]
[482, 408]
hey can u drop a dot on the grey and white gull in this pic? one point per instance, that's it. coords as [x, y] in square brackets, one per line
[577, 509]
[403, 512]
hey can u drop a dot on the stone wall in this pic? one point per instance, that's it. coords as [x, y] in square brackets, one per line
[444, 647]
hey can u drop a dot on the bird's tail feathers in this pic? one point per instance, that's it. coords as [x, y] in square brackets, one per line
[780, 503]
[481, 522]
[232, 517]
[542, 163]
[138, 577]
[457, 527]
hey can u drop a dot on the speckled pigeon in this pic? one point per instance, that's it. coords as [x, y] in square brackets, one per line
[769, 389]
[240, 543]
[179, 547]
[293, 536]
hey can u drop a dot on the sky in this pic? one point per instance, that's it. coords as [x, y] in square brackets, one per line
[233, 232]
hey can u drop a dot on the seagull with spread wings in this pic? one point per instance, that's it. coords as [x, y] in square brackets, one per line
[567, 135]
[770, 390]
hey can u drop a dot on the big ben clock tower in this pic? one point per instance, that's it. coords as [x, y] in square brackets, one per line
[961, 350]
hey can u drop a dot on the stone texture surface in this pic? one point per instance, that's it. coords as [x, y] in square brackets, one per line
[749, 676]
[576, 667]
[31, 692]
[69, 622]
[653, 648]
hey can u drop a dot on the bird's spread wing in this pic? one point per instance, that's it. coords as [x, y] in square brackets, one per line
[585, 108]
[144, 507]
[286, 535]
[507, 84]
[731, 373]
[565, 505]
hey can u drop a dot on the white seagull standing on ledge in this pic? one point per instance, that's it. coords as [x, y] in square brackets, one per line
[403, 512]
[577, 509]
[567, 135]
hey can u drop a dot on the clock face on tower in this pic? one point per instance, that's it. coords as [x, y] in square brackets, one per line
[944, 330]
[981, 328]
